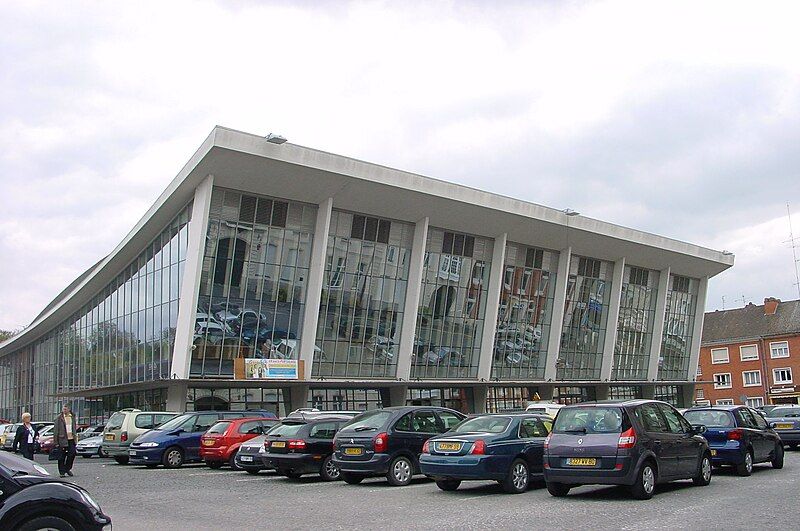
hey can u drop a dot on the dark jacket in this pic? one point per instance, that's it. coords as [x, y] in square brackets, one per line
[21, 438]
[60, 431]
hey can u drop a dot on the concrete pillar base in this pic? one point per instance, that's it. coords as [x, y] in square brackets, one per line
[648, 391]
[478, 399]
[295, 397]
[686, 396]
[176, 396]
[602, 392]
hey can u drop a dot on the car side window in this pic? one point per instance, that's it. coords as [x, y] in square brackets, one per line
[232, 415]
[651, 419]
[144, 422]
[253, 427]
[158, 420]
[205, 421]
[404, 424]
[749, 419]
[449, 420]
[424, 422]
[532, 428]
[324, 430]
[761, 424]
[672, 417]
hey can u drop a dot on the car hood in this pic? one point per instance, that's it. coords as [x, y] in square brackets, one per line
[155, 435]
[95, 440]
[21, 468]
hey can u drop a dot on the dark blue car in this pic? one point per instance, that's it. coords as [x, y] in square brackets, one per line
[506, 448]
[737, 436]
[178, 441]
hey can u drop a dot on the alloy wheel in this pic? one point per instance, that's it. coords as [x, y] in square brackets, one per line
[748, 462]
[648, 479]
[332, 470]
[706, 469]
[520, 476]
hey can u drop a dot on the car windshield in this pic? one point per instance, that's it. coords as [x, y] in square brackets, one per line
[177, 422]
[372, 420]
[589, 420]
[785, 412]
[286, 429]
[219, 428]
[486, 424]
[710, 418]
[115, 422]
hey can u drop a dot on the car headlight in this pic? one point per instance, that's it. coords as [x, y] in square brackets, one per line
[262, 450]
[148, 444]
[41, 470]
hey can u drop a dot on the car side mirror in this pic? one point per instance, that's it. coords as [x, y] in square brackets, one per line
[698, 429]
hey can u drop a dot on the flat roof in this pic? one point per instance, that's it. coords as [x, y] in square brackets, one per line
[249, 163]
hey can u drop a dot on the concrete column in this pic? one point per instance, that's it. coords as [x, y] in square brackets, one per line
[648, 391]
[492, 307]
[190, 285]
[176, 396]
[658, 324]
[686, 397]
[411, 304]
[397, 395]
[479, 396]
[316, 276]
[295, 397]
[697, 331]
[611, 323]
[557, 321]
[602, 392]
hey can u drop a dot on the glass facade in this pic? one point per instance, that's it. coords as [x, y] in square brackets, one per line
[123, 335]
[524, 316]
[236, 399]
[253, 281]
[585, 317]
[452, 305]
[637, 311]
[676, 343]
[453, 398]
[363, 296]
[345, 399]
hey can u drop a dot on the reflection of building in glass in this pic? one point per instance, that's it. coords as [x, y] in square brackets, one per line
[388, 288]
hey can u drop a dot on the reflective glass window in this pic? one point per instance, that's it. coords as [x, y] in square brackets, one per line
[676, 343]
[637, 312]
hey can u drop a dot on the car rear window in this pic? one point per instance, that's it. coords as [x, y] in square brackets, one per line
[487, 424]
[286, 429]
[115, 422]
[710, 418]
[372, 420]
[785, 412]
[589, 420]
[219, 428]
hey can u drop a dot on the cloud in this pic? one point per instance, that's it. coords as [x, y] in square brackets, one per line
[680, 118]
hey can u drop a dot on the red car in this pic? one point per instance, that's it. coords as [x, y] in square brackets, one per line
[218, 446]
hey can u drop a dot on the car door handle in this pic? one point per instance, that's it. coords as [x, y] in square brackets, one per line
[657, 441]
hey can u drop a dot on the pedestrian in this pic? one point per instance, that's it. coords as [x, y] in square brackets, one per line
[64, 434]
[25, 438]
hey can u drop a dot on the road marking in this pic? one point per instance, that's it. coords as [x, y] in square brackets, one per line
[250, 479]
[205, 473]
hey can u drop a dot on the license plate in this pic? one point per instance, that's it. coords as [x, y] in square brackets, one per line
[246, 458]
[448, 447]
[713, 453]
[108, 437]
[132, 453]
[784, 426]
[208, 442]
[353, 451]
[581, 461]
[277, 444]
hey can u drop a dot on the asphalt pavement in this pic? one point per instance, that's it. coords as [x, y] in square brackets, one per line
[196, 497]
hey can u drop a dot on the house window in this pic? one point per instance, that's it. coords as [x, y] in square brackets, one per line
[725, 402]
[779, 349]
[722, 381]
[719, 355]
[370, 229]
[638, 276]
[588, 267]
[337, 275]
[754, 401]
[703, 402]
[700, 394]
[748, 352]
[699, 371]
[680, 284]
[751, 378]
[782, 376]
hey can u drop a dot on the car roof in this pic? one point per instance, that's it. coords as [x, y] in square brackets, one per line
[316, 418]
[727, 407]
[619, 403]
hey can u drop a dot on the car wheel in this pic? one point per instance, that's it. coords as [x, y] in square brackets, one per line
[121, 460]
[401, 469]
[448, 484]
[645, 484]
[101, 452]
[352, 479]
[746, 468]
[516, 481]
[777, 457]
[46, 522]
[329, 471]
[214, 464]
[559, 490]
[232, 463]
[253, 471]
[173, 457]
[289, 474]
[703, 476]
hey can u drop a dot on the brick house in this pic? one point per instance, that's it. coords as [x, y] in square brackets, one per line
[751, 355]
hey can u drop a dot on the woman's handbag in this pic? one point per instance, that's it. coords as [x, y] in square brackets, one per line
[55, 453]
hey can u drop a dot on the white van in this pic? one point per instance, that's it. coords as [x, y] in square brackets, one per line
[546, 408]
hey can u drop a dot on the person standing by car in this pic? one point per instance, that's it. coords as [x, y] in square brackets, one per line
[64, 437]
[25, 438]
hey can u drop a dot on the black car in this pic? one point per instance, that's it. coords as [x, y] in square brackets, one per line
[31, 499]
[299, 446]
[737, 436]
[389, 442]
[249, 456]
[637, 443]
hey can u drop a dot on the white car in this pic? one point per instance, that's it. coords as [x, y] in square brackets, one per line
[286, 349]
[547, 408]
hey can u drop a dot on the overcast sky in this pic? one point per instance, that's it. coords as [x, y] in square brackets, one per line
[679, 119]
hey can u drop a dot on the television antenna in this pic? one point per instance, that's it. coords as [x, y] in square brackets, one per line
[793, 242]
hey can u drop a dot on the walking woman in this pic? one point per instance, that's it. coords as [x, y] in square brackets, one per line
[25, 438]
[64, 436]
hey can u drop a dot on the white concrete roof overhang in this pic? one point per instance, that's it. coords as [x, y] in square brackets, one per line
[249, 163]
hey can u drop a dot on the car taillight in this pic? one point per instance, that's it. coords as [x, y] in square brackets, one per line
[266, 445]
[627, 439]
[547, 441]
[124, 436]
[735, 435]
[296, 444]
[380, 443]
[426, 449]
[478, 447]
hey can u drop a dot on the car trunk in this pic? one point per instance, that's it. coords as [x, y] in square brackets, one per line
[591, 445]
[459, 445]
[279, 438]
[356, 445]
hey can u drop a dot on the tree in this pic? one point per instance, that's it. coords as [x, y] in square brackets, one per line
[7, 334]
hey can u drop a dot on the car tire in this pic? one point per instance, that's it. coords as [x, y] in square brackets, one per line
[46, 522]
[559, 490]
[448, 484]
[645, 484]
[703, 476]
[329, 471]
[173, 457]
[516, 482]
[232, 462]
[101, 452]
[253, 471]
[121, 460]
[746, 467]
[151, 465]
[777, 457]
[352, 479]
[401, 470]
[289, 474]
[214, 464]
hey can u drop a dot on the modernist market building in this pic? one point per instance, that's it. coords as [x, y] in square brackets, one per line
[364, 286]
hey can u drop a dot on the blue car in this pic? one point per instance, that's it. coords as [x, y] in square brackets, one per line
[737, 436]
[178, 441]
[507, 448]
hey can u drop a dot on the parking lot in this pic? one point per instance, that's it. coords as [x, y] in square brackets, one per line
[196, 497]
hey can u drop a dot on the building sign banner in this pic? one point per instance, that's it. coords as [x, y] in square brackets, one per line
[269, 369]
